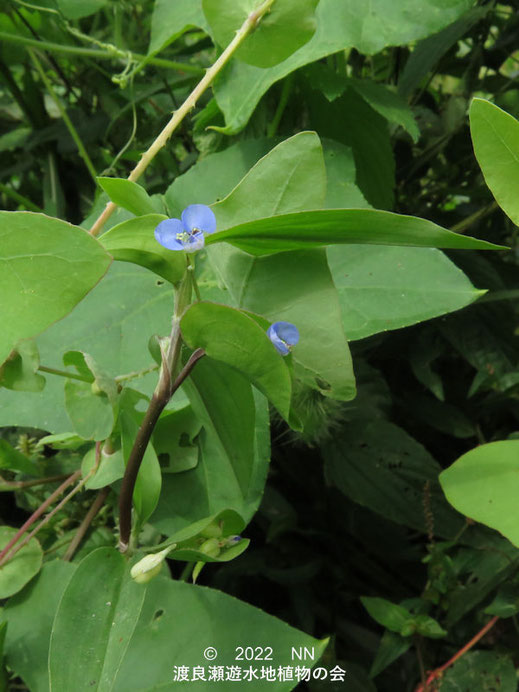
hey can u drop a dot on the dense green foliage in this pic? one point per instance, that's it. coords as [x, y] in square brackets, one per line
[372, 473]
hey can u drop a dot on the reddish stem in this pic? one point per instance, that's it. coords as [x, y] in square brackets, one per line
[35, 515]
[438, 672]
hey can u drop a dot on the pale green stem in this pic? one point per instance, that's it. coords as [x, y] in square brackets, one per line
[70, 127]
[115, 54]
[63, 373]
[9, 192]
[178, 116]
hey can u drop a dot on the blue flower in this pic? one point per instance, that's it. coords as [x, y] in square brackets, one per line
[284, 336]
[187, 234]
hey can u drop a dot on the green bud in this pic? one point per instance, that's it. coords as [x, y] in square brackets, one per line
[96, 389]
[212, 531]
[150, 565]
[210, 547]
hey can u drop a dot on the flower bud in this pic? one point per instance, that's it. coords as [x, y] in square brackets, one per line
[212, 531]
[150, 565]
[210, 547]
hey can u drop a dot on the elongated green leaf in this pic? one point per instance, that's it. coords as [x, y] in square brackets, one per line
[134, 241]
[148, 662]
[94, 623]
[483, 484]
[389, 615]
[380, 466]
[234, 451]
[389, 104]
[309, 229]
[287, 26]
[382, 288]
[22, 567]
[48, 266]
[429, 51]
[341, 24]
[230, 336]
[495, 135]
[129, 195]
[30, 614]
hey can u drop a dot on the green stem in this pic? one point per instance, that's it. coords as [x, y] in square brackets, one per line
[178, 116]
[97, 53]
[137, 373]
[191, 268]
[70, 127]
[63, 373]
[9, 192]
[282, 104]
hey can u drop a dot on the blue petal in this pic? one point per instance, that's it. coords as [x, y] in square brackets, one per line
[199, 216]
[166, 234]
[287, 331]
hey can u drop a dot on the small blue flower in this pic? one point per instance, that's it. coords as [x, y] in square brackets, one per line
[187, 234]
[284, 336]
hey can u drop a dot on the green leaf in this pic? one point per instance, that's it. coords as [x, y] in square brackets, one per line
[341, 24]
[506, 601]
[127, 306]
[427, 627]
[297, 287]
[129, 195]
[22, 567]
[134, 241]
[30, 614]
[289, 178]
[170, 20]
[483, 484]
[91, 406]
[72, 9]
[111, 468]
[481, 670]
[148, 665]
[495, 135]
[307, 229]
[48, 267]
[149, 479]
[12, 459]
[174, 440]
[234, 454]
[94, 623]
[287, 26]
[389, 104]
[352, 121]
[392, 646]
[19, 372]
[382, 288]
[379, 466]
[391, 616]
[428, 52]
[341, 190]
[213, 177]
[231, 337]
